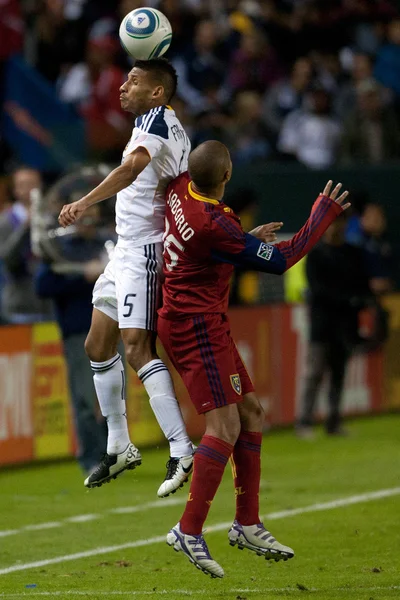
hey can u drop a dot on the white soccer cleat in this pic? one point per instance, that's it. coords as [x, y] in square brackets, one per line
[178, 472]
[259, 540]
[113, 465]
[195, 548]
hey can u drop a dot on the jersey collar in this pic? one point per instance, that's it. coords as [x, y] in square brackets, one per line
[201, 198]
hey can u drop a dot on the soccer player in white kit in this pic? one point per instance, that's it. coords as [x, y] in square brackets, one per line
[126, 297]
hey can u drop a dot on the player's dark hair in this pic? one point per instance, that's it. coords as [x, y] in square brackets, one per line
[208, 164]
[163, 72]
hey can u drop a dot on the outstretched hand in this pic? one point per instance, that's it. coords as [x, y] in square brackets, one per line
[334, 193]
[266, 233]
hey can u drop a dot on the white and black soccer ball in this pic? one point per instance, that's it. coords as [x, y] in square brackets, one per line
[145, 33]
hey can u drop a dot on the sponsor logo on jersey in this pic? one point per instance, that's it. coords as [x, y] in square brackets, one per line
[265, 251]
[236, 384]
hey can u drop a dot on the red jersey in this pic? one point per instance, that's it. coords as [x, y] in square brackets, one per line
[204, 241]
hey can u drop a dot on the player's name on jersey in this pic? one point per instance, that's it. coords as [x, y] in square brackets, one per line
[177, 212]
[178, 133]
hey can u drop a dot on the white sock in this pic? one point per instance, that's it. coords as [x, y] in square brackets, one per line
[158, 383]
[109, 381]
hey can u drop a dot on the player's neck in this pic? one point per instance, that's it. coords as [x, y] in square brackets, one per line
[216, 193]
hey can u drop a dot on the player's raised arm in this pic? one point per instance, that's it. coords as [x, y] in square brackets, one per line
[326, 208]
[260, 256]
[120, 178]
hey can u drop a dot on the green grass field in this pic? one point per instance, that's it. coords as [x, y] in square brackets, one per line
[109, 542]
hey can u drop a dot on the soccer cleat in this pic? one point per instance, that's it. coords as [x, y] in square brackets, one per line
[178, 471]
[195, 548]
[259, 540]
[113, 465]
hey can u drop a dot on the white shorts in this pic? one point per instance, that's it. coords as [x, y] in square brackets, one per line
[129, 290]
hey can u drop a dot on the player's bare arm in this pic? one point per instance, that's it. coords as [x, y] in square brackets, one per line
[117, 180]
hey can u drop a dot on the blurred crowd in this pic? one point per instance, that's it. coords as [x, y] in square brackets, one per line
[313, 81]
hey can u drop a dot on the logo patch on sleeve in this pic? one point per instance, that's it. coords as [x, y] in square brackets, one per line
[236, 384]
[265, 251]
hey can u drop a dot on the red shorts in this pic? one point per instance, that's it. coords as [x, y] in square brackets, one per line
[204, 354]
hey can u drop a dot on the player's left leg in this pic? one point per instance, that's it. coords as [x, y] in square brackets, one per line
[141, 354]
[247, 530]
[139, 294]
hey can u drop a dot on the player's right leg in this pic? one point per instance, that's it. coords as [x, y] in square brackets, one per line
[199, 351]
[222, 429]
[109, 381]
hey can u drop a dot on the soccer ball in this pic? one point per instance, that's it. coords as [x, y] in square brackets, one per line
[145, 33]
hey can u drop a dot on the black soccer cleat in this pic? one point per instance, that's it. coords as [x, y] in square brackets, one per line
[113, 465]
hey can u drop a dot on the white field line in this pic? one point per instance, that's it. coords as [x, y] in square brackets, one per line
[340, 502]
[191, 592]
[92, 517]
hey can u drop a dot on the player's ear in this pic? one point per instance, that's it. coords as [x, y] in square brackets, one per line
[158, 92]
[227, 176]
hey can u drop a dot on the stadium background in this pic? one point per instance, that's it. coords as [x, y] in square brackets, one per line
[60, 69]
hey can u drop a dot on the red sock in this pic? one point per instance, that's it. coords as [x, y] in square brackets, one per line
[209, 464]
[246, 467]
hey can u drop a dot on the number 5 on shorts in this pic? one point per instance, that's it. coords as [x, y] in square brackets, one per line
[129, 305]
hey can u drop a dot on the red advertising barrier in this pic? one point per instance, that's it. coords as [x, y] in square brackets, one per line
[35, 420]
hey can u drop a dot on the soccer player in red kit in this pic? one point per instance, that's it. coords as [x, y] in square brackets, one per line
[203, 242]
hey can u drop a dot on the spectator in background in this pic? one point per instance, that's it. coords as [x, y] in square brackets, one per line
[387, 67]
[199, 69]
[57, 41]
[338, 285]
[72, 297]
[19, 303]
[93, 87]
[11, 30]
[247, 132]
[287, 95]
[368, 232]
[212, 125]
[346, 97]
[312, 134]
[11, 42]
[255, 64]
[328, 70]
[371, 129]
[183, 19]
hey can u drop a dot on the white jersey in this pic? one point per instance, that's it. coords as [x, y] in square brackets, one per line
[140, 207]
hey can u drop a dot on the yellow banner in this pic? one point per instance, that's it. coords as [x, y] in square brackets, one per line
[51, 416]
